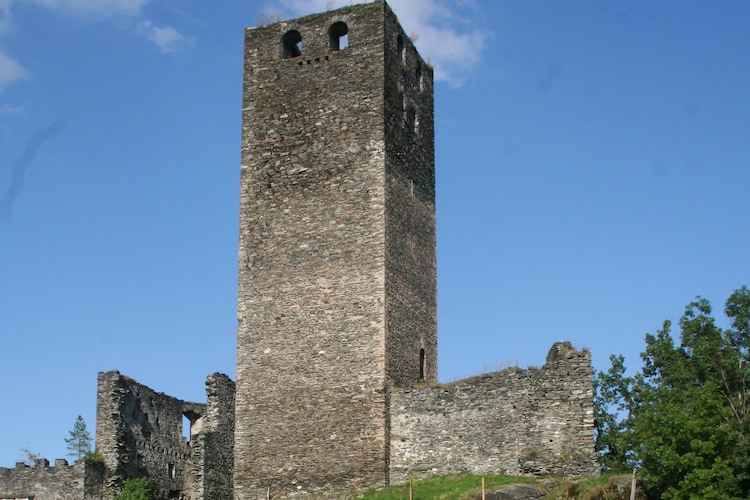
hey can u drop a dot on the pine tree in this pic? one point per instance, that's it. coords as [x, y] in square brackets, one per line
[79, 442]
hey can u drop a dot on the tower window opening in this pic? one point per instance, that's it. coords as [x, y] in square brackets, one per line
[400, 47]
[421, 364]
[419, 75]
[401, 102]
[291, 44]
[338, 36]
[411, 119]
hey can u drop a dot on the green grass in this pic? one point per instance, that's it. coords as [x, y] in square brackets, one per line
[465, 486]
[452, 487]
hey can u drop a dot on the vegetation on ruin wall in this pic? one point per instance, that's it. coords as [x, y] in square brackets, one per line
[683, 419]
[140, 488]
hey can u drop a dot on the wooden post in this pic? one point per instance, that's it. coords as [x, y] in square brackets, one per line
[633, 484]
[483, 488]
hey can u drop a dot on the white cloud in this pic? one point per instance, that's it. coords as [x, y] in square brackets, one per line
[445, 31]
[448, 38]
[10, 70]
[99, 9]
[166, 38]
[10, 111]
[5, 18]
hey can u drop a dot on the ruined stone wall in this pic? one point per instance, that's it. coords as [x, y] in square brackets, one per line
[534, 421]
[211, 463]
[139, 433]
[80, 481]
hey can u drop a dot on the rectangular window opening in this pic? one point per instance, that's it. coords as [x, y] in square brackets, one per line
[186, 427]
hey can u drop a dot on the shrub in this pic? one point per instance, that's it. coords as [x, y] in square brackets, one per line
[140, 488]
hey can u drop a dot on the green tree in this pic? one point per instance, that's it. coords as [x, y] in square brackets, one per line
[79, 442]
[140, 488]
[683, 420]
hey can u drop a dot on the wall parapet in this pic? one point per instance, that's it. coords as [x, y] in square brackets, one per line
[44, 482]
[520, 422]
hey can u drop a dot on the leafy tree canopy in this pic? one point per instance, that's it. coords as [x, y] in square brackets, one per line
[140, 488]
[683, 419]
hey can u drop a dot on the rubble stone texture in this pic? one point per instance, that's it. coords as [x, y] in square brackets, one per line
[337, 282]
[517, 422]
[337, 337]
[60, 482]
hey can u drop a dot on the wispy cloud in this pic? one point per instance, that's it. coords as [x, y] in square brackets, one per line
[10, 70]
[97, 9]
[5, 18]
[447, 37]
[21, 165]
[10, 111]
[447, 32]
[166, 38]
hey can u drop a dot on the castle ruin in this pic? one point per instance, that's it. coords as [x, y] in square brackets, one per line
[337, 339]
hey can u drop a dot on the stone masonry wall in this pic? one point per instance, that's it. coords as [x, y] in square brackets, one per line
[139, 433]
[211, 463]
[337, 288]
[411, 276]
[534, 421]
[311, 400]
[61, 482]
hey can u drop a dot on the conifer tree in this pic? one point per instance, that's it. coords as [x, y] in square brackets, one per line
[79, 442]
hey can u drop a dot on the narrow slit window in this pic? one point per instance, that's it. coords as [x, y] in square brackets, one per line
[411, 119]
[291, 44]
[421, 364]
[400, 47]
[338, 36]
[419, 76]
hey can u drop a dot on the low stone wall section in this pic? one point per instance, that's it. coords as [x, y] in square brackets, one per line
[532, 421]
[42, 482]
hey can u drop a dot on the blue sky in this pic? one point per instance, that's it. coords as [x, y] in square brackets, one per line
[593, 169]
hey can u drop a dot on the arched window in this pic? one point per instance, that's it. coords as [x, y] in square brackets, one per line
[338, 36]
[291, 44]
[400, 47]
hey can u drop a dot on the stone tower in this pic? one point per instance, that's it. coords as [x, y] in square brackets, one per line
[337, 281]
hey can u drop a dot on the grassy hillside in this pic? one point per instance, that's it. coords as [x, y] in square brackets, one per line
[468, 487]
